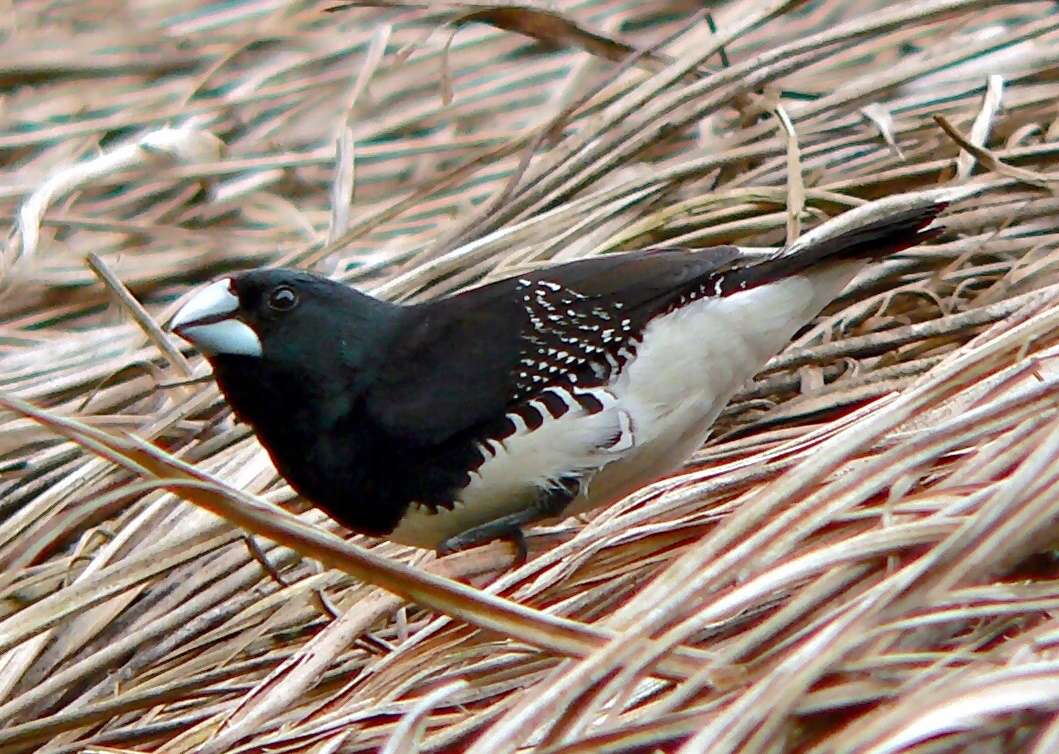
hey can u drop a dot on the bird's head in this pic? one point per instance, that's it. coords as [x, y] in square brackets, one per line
[282, 325]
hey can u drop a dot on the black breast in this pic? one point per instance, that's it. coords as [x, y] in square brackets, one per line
[334, 453]
[365, 479]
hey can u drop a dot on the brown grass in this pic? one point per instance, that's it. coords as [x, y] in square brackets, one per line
[857, 562]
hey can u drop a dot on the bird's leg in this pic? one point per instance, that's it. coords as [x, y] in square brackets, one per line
[548, 503]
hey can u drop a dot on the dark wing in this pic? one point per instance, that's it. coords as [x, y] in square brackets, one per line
[476, 353]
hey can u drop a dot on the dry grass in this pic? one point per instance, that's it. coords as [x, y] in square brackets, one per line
[858, 562]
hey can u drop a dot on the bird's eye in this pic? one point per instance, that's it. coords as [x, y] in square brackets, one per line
[282, 298]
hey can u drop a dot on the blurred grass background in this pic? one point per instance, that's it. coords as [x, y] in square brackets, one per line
[858, 561]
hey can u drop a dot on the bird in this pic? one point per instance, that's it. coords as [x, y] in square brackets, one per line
[448, 423]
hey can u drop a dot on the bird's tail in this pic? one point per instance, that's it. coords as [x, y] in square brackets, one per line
[879, 238]
[874, 239]
[841, 239]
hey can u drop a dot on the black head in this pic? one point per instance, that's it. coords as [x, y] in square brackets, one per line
[281, 332]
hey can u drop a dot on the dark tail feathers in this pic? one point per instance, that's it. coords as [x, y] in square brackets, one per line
[874, 240]
[878, 239]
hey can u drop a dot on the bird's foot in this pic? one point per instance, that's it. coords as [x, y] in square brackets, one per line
[548, 504]
[508, 528]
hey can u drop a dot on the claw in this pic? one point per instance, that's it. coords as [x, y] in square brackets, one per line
[483, 534]
[548, 504]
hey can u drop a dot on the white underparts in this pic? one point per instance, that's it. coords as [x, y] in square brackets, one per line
[515, 469]
[655, 414]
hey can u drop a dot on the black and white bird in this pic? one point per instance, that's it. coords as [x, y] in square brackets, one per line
[448, 423]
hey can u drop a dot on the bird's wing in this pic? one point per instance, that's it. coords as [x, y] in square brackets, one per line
[478, 353]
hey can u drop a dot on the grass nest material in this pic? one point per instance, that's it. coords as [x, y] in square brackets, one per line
[858, 561]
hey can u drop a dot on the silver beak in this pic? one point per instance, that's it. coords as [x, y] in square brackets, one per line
[208, 322]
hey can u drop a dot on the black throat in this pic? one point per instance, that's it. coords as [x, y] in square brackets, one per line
[326, 444]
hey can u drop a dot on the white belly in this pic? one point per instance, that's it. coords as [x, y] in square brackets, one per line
[691, 363]
[516, 469]
[688, 365]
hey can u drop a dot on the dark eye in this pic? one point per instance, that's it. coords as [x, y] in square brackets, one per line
[282, 298]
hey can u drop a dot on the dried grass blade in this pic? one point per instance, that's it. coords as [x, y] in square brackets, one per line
[555, 634]
[982, 125]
